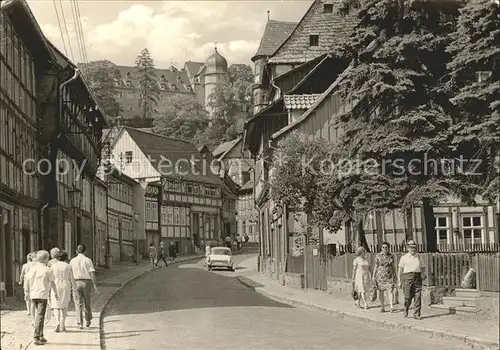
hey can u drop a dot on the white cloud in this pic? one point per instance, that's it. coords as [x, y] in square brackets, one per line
[174, 32]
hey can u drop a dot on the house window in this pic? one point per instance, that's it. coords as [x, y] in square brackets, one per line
[244, 227]
[313, 40]
[472, 229]
[128, 157]
[443, 230]
[328, 8]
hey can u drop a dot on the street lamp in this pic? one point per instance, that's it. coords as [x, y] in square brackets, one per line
[137, 218]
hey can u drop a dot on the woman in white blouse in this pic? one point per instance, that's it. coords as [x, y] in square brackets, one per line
[64, 282]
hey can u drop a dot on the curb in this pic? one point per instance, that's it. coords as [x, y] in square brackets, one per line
[106, 302]
[470, 341]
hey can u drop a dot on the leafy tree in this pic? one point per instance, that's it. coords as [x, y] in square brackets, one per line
[397, 118]
[297, 173]
[241, 79]
[183, 118]
[101, 77]
[474, 85]
[148, 97]
[222, 102]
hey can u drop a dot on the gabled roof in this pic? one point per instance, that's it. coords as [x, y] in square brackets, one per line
[28, 29]
[318, 102]
[225, 147]
[332, 28]
[172, 157]
[300, 101]
[275, 33]
[192, 68]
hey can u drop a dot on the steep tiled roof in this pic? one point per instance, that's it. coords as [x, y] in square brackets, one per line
[300, 101]
[178, 152]
[275, 33]
[174, 79]
[193, 68]
[225, 147]
[331, 28]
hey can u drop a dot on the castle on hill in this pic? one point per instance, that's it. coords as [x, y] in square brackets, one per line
[195, 78]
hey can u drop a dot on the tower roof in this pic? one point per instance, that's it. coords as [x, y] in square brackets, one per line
[216, 63]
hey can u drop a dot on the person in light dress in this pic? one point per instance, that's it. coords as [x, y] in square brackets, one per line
[361, 276]
[24, 271]
[64, 284]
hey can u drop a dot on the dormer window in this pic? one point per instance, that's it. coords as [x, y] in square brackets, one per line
[129, 76]
[313, 40]
[328, 8]
[163, 86]
[173, 87]
[129, 83]
[162, 77]
[179, 79]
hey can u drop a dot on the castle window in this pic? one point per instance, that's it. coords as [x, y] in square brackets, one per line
[129, 76]
[328, 8]
[173, 87]
[313, 40]
[163, 86]
[162, 77]
[179, 79]
[129, 83]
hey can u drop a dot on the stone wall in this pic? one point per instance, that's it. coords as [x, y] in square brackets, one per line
[488, 305]
[294, 280]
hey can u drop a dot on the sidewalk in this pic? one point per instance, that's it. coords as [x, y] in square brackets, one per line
[476, 333]
[17, 332]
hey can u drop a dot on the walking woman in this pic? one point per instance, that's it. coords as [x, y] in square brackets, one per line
[24, 271]
[361, 276]
[64, 284]
[152, 254]
[384, 274]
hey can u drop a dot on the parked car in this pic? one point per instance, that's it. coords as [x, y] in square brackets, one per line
[220, 257]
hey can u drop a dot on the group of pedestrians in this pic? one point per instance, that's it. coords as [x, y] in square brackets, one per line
[50, 284]
[382, 278]
[157, 256]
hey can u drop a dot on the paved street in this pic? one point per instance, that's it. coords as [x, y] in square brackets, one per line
[187, 307]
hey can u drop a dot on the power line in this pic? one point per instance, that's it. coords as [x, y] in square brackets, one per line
[66, 28]
[84, 47]
[77, 32]
[60, 28]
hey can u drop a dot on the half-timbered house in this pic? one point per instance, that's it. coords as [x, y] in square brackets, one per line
[24, 57]
[194, 197]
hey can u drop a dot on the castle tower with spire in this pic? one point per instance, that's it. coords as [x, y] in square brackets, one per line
[215, 73]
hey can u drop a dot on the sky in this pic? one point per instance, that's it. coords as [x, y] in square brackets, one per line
[173, 31]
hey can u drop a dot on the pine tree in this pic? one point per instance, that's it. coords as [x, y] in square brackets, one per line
[474, 83]
[148, 97]
[397, 119]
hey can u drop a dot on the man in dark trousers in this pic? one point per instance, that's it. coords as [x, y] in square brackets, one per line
[161, 254]
[411, 274]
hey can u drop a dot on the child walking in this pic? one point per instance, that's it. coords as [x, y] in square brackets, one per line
[24, 271]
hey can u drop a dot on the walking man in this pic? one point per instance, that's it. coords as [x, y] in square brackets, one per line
[37, 284]
[161, 254]
[411, 267]
[84, 273]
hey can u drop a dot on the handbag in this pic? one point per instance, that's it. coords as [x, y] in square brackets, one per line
[355, 295]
